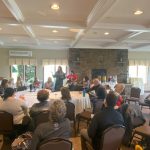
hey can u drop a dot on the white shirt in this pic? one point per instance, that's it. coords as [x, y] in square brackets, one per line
[14, 107]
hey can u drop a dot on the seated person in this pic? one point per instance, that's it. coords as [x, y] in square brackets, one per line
[72, 80]
[42, 96]
[65, 93]
[101, 121]
[94, 87]
[49, 84]
[17, 108]
[118, 90]
[19, 82]
[86, 83]
[3, 86]
[100, 96]
[57, 126]
[36, 83]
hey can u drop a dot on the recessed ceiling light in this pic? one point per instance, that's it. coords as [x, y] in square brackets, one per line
[55, 6]
[15, 40]
[74, 30]
[54, 31]
[138, 12]
[55, 42]
[106, 33]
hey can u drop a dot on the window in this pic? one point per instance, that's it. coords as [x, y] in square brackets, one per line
[27, 73]
[49, 71]
[138, 72]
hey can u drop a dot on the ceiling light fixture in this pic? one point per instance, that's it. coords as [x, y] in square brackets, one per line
[74, 30]
[106, 33]
[54, 31]
[15, 40]
[138, 12]
[55, 6]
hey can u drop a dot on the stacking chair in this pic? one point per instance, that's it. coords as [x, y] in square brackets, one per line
[112, 137]
[86, 115]
[55, 144]
[6, 125]
[41, 117]
[134, 95]
[70, 114]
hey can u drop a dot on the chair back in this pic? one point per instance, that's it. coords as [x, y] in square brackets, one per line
[112, 137]
[41, 117]
[135, 92]
[55, 144]
[6, 125]
[98, 105]
[70, 113]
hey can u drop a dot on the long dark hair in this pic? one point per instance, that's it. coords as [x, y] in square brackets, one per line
[8, 92]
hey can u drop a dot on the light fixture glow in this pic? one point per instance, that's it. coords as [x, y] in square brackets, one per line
[15, 40]
[106, 33]
[74, 30]
[54, 31]
[55, 6]
[138, 12]
[0, 28]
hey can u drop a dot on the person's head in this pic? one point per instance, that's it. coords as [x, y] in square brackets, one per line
[42, 95]
[60, 68]
[36, 79]
[57, 111]
[9, 92]
[86, 78]
[65, 92]
[96, 82]
[111, 99]
[49, 79]
[119, 88]
[101, 93]
[4, 83]
[72, 72]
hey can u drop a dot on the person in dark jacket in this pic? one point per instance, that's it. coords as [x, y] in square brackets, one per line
[103, 119]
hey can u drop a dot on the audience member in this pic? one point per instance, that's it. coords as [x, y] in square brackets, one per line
[57, 126]
[86, 83]
[118, 90]
[19, 82]
[102, 120]
[4, 85]
[36, 83]
[65, 93]
[42, 96]
[11, 83]
[49, 84]
[18, 109]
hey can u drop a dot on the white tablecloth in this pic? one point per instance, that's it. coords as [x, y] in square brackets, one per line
[79, 101]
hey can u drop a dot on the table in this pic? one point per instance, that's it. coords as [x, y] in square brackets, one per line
[79, 101]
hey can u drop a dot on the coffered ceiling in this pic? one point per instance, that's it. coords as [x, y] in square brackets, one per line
[32, 24]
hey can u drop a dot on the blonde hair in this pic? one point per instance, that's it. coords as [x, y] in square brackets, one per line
[57, 111]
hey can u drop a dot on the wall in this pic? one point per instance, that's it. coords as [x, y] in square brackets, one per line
[38, 54]
[114, 61]
[139, 55]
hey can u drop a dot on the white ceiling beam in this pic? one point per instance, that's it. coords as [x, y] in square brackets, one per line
[14, 9]
[99, 10]
[125, 27]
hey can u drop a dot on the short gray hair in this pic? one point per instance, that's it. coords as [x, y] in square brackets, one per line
[57, 111]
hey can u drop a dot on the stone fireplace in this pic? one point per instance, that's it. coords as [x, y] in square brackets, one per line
[113, 61]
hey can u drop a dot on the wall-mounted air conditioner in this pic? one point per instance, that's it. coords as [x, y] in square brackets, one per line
[20, 53]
